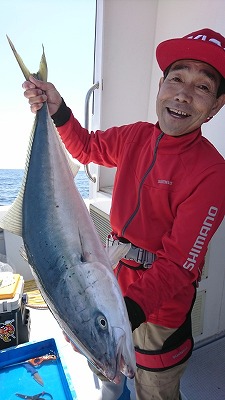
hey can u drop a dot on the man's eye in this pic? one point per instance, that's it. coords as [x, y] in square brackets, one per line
[204, 88]
[175, 79]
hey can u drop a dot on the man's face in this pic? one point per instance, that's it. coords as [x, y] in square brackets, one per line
[187, 97]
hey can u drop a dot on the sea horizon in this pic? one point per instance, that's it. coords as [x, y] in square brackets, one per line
[11, 179]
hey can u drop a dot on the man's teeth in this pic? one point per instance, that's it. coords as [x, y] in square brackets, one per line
[178, 112]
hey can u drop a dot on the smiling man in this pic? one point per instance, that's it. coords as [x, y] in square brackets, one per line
[167, 202]
[188, 97]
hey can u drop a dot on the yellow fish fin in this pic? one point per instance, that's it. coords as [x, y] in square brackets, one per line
[43, 69]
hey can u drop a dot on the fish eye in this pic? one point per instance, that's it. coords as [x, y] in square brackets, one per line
[102, 322]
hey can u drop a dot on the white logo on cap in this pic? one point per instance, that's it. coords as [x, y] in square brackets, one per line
[204, 38]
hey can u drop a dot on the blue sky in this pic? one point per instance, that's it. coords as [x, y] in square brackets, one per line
[66, 29]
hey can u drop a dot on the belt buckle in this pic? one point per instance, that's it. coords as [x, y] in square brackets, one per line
[150, 260]
[147, 265]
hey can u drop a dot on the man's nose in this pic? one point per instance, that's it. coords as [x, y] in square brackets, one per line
[184, 94]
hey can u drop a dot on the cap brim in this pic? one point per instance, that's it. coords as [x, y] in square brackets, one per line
[173, 50]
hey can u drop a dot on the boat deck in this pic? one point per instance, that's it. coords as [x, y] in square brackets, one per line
[203, 379]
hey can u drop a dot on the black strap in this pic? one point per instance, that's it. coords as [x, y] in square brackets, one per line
[140, 266]
[183, 332]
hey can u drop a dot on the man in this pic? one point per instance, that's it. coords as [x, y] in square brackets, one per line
[167, 201]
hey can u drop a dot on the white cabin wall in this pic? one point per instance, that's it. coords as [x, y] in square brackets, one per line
[127, 64]
[123, 66]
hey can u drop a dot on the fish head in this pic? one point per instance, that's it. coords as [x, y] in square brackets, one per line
[114, 353]
[98, 325]
[109, 352]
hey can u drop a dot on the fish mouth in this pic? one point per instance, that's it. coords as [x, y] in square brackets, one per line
[123, 362]
[126, 369]
[174, 112]
[124, 365]
[116, 360]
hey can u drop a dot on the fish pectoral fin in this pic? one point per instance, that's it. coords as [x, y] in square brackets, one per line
[43, 70]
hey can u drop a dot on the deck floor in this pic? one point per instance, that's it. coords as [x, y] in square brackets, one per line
[204, 378]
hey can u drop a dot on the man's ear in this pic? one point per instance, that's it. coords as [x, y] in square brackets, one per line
[219, 103]
[161, 82]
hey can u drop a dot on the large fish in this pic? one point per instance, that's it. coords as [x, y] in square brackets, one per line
[68, 260]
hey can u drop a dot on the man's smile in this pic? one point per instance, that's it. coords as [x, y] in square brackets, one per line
[187, 97]
[177, 113]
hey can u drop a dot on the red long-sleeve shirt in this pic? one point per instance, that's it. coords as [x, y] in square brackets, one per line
[168, 198]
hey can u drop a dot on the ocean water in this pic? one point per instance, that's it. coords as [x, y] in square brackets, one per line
[11, 179]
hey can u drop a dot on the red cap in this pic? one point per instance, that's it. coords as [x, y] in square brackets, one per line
[203, 45]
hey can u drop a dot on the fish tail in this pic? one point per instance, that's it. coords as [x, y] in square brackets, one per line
[12, 220]
[42, 74]
[43, 69]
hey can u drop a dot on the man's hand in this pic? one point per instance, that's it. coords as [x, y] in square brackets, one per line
[69, 341]
[38, 92]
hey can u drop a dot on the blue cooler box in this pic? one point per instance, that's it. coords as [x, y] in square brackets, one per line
[21, 372]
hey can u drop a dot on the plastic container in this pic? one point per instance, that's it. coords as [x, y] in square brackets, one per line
[14, 316]
[14, 378]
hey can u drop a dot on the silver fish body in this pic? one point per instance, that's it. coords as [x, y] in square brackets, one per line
[68, 260]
